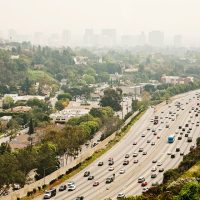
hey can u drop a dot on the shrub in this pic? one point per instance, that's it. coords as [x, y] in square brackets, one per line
[44, 186]
[34, 190]
[52, 181]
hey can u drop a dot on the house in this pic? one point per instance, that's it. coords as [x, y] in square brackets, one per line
[176, 79]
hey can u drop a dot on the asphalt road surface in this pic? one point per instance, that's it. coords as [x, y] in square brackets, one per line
[169, 115]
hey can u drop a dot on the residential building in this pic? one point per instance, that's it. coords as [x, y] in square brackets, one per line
[176, 79]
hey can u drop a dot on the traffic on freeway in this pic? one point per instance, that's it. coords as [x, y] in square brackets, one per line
[156, 143]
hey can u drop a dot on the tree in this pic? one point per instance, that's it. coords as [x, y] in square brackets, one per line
[111, 98]
[135, 105]
[61, 104]
[5, 148]
[8, 102]
[89, 79]
[31, 127]
[64, 96]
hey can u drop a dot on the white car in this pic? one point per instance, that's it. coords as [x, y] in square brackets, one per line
[122, 171]
[159, 163]
[110, 168]
[71, 188]
[121, 195]
[153, 169]
[145, 189]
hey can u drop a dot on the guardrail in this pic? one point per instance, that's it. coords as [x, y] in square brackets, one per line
[27, 188]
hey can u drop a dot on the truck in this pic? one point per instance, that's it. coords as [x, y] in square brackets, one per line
[171, 138]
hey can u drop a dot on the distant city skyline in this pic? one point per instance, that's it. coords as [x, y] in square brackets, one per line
[127, 17]
[91, 37]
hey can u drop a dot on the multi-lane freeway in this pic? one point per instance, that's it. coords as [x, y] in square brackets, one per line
[148, 142]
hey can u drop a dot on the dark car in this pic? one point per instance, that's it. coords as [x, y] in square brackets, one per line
[79, 198]
[100, 163]
[86, 174]
[172, 155]
[62, 187]
[90, 177]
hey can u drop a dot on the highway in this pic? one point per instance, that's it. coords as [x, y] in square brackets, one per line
[127, 183]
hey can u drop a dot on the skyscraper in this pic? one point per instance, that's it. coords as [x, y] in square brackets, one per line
[109, 37]
[66, 38]
[156, 38]
[88, 37]
[177, 41]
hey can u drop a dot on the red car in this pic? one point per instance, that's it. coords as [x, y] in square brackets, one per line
[144, 184]
[96, 183]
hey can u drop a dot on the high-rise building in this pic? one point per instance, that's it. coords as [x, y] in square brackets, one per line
[66, 38]
[88, 37]
[141, 39]
[156, 38]
[177, 41]
[12, 35]
[109, 37]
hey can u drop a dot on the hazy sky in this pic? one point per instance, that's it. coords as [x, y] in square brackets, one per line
[127, 16]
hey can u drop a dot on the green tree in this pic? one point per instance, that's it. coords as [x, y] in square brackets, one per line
[64, 96]
[111, 98]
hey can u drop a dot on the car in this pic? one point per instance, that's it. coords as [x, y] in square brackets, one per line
[86, 174]
[79, 198]
[161, 170]
[96, 183]
[153, 169]
[181, 133]
[143, 135]
[111, 162]
[179, 138]
[141, 179]
[127, 155]
[100, 163]
[50, 193]
[180, 127]
[167, 126]
[110, 168]
[190, 128]
[126, 162]
[120, 195]
[159, 164]
[110, 159]
[71, 188]
[158, 137]
[135, 161]
[153, 175]
[169, 153]
[145, 189]
[183, 129]
[90, 177]
[177, 149]
[154, 133]
[154, 161]
[140, 150]
[189, 139]
[148, 141]
[152, 143]
[70, 183]
[172, 155]
[135, 154]
[109, 180]
[144, 184]
[144, 153]
[122, 171]
[62, 188]
[148, 129]
[182, 153]
[134, 143]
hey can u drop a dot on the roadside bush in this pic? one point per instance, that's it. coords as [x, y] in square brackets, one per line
[34, 190]
[44, 186]
[52, 181]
